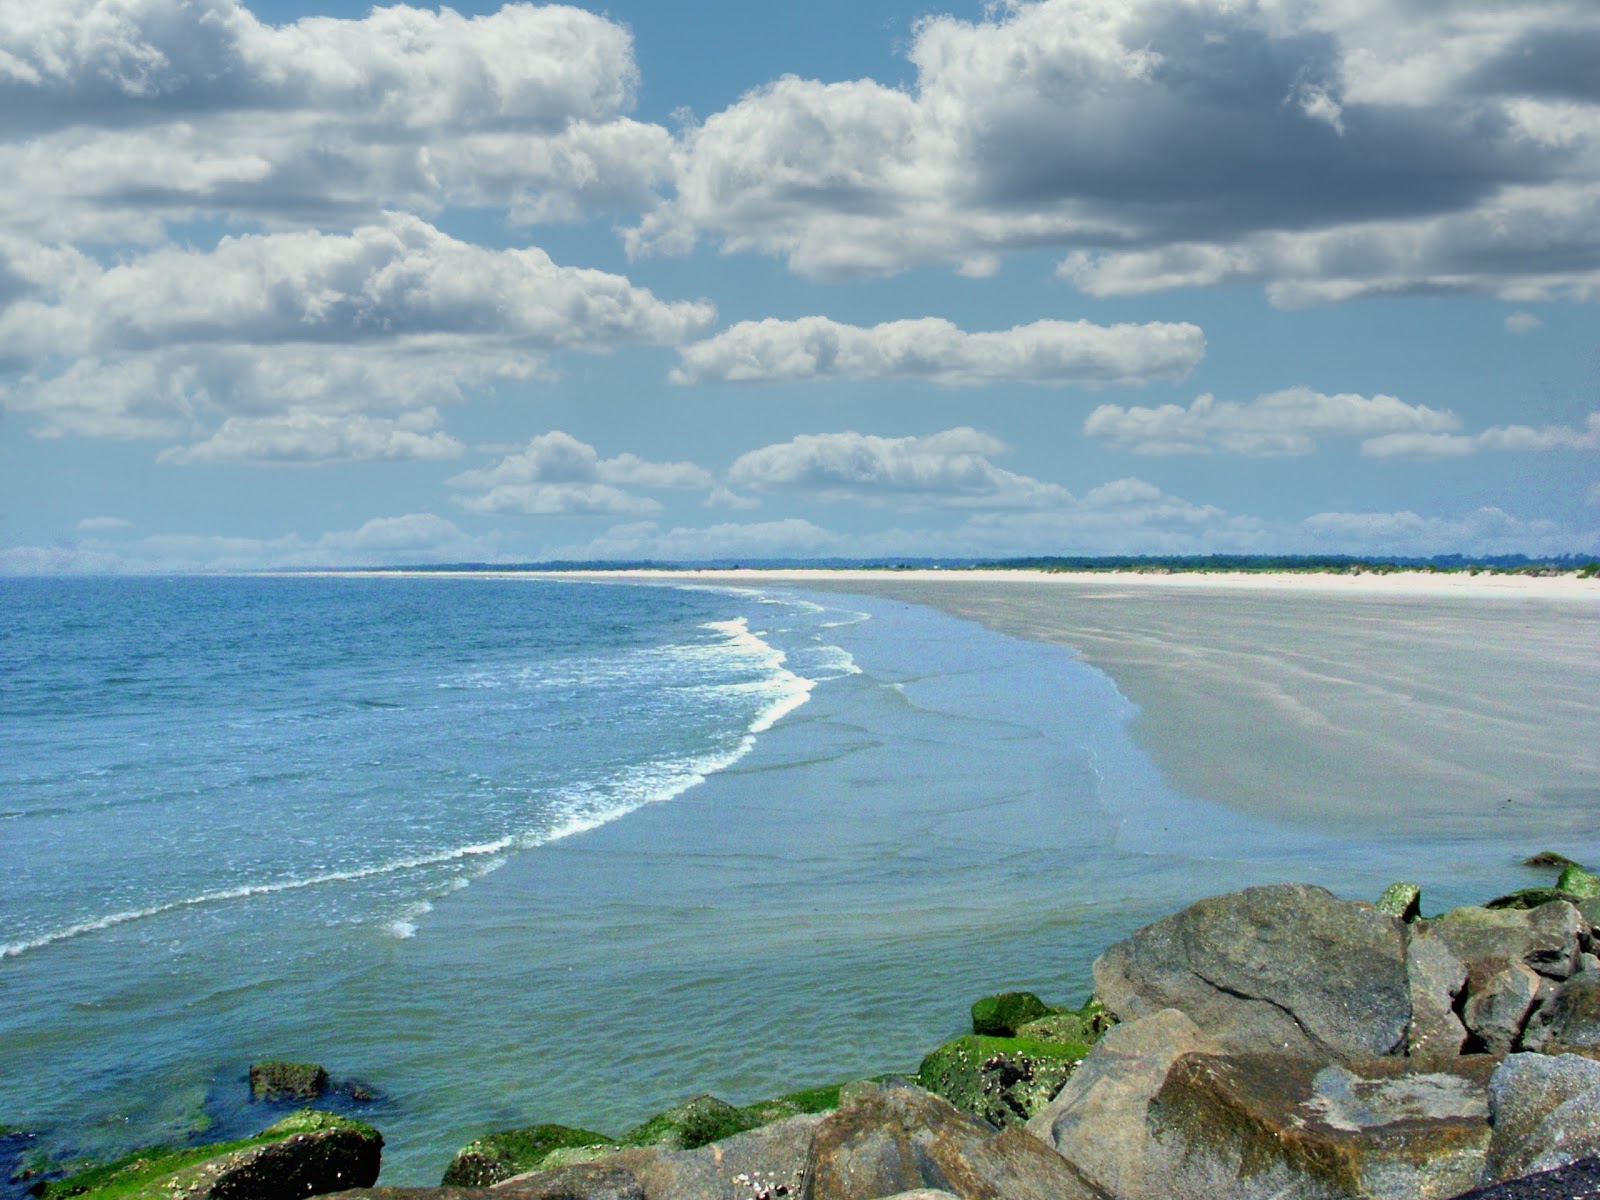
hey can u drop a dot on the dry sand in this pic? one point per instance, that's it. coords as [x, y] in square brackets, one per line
[1413, 704]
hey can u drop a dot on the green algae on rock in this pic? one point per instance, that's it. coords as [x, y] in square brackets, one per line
[279, 1080]
[499, 1156]
[692, 1124]
[308, 1153]
[1002, 1015]
[1403, 900]
[1002, 1080]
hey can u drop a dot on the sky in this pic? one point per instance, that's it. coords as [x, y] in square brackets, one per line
[313, 283]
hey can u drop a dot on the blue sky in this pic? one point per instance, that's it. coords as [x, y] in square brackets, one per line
[320, 284]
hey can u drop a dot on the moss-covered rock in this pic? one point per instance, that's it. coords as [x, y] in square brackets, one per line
[1403, 900]
[309, 1153]
[1524, 899]
[692, 1124]
[1002, 1080]
[808, 1100]
[499, 1156]
[1578, 882]
[1003, 1015]
[278, 1080]
[1081, 1027]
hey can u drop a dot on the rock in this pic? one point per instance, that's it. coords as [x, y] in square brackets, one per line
[1403, 900]
[1571, 1017]
[694, 1123]
[762, 1164]
[287, 1080]
[1529, 898]
[1003, 1015]
[489, 1160]
[1544, 938]
[1580, 1181]
[1525, 1090]
[1097, 1121]
[1498, 1004]
[1268, 1125]
[1435, 978]
[1579, 882]
[1283, 968]
[1548, 858]
[902, 1139]
[1002, 1080]
[306, 1154]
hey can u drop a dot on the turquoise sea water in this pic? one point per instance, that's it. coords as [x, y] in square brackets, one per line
[512, 850]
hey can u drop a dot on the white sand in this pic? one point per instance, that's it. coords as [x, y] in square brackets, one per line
[1412, 703]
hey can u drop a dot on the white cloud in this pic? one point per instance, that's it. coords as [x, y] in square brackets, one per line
[1486, 530]
[103, 524]
[950, 469]
[1057, 352]
[556, 474]
[126, 113]
[789, 538]
[1325, 149]
[1278, 423]
[1521, 322]
[383, 541]
[1499, 437]
[299, 436]
[290, 326]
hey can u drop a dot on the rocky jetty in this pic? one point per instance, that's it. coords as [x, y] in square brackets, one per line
[1275, 1042]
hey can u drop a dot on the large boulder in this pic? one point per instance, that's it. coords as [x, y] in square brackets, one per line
[1545, 1110]
[1002, 1080]
[1571, 1016]
[1545, 938]
[1248, 1126]
[306, 1154]
[1287, 968]
[899, 1139]
[1436, 978]
[1097, 1121]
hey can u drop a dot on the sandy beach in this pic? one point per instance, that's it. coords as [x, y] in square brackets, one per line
[1371, 705]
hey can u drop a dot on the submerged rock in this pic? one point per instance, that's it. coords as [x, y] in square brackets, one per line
[1548, 858]
[277, 1080]
[1285, 968]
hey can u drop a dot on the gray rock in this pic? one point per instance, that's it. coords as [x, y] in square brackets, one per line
[768, 1162]
[1571, 1017]
[1580, 1181]
[903, 1139]
[1097, 1122]
[1435, 977]
[1524, 1092]
[1498, 1004]
[1254, 1126]
[1287, 968]
[1544, 938]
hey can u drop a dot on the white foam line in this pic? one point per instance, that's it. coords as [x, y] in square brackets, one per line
[111, 920]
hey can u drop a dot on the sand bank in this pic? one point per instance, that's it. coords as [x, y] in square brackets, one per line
[1457, 705]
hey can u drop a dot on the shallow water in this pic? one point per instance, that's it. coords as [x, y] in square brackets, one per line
[897, 813]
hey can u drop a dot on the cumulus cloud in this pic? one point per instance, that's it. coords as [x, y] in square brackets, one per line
[1057, 352]
[1499, 437]
[1278, 423]
[1325, 149]
[556, 474]
[123, 114]
[951, 469]
[301, 327]
[300, 436]
[1486, 530]
[1521, 322]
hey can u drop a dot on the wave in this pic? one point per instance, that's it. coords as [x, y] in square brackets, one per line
[578, 807]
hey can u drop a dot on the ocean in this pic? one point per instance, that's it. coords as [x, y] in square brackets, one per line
[515, 850]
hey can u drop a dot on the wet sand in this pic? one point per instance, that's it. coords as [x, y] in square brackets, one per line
[1372, 706]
